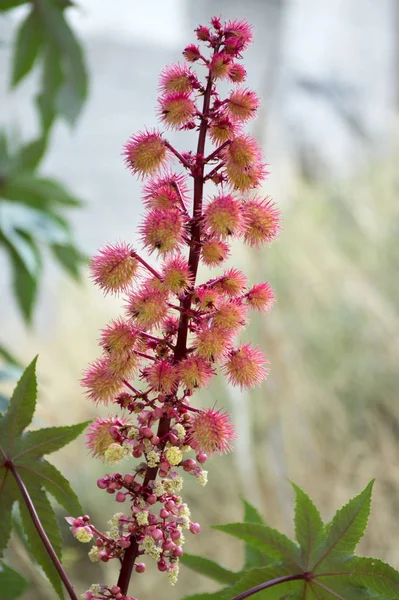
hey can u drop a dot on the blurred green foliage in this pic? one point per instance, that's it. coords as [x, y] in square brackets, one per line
[32, 207]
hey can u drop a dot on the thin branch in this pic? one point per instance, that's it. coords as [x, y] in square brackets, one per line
[268, 584]
[215, 170]
[146, 265]
[181, 158]
[42, 534]
[216, 152]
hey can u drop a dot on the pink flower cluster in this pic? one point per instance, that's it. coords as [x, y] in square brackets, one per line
[175, 332]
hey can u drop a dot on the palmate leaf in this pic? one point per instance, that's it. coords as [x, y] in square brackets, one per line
[321, 565]
[27, 46]
[21, 456]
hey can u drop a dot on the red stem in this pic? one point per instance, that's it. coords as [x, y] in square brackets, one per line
[42, 534]
[181, 343]
[269, 584]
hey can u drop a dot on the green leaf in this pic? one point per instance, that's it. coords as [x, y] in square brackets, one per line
[37, 192]
[336, 575]
[21, 408]
[268, 540]
[209, 568]
[12, 584]
[73, 89]
[309, 528]
[51, 82]
[48, 520]
[32, 153]
[70, 258]
[53, 482]
[46, 440]
[27, 46]
[9, 4]
[347, 528]
[375, 575]
[21, 457]
[24, 287]
[256, 577]
[253, 556]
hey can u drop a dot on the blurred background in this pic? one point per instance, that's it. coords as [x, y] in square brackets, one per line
[328, 416]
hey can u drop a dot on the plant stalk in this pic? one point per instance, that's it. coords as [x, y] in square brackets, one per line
[181, 343]
[42, 534]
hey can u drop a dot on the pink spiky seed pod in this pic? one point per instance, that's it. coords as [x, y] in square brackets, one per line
[162, 375]
[177, 109]
[176, 275]
[177, 78]
[245, 366]
[238, 35]
[206, 298]
[114, 267]
[243, 104]
[222, 216]
[211, 431]
[145, 153]
[214, 252]
[261, 297]
[230, 316]
[101, 383]
[213, 343]
[261, 221]
[237, 73]
[162, 230]
[101, 434]
[191, 53]
[165, 191]
[220, 65]
[244, 163]
[203, 33]
[119, 337]
[232, 283]
[222, 129]
[148, 306]
[195, 372]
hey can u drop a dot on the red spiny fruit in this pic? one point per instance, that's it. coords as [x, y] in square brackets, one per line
[148, 306]
[145, 153]
[211, 431]
[101, 384]
[243, 104]
[176, 275]
[162, 230]
[177, 109]
[114, 267]
[261, 297]
[177, 78]
[165, 191]
[245, 366]
[195, 372]
[222, 216]
[162, 375]
[232, 283]
[261, 221]
[118, 337]
[214, 252]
